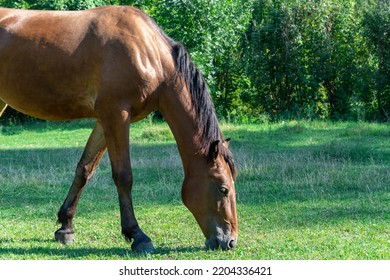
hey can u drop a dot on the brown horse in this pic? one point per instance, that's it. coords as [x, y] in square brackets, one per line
[114, 64]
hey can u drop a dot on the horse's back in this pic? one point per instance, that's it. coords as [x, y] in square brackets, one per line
[54, 63]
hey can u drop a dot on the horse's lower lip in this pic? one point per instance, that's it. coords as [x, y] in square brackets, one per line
[211, 244]
[214, 243]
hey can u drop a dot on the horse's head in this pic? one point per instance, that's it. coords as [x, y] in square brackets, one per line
[210, 195]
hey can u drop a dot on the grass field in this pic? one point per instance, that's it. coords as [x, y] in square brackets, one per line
[306, 190]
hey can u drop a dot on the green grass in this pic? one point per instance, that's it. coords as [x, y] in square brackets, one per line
[306, 190]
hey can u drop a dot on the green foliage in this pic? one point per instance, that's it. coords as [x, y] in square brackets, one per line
[54, 4]
[305, 57]
[377, 30]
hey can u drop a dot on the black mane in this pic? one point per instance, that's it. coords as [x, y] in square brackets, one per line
[206, 118]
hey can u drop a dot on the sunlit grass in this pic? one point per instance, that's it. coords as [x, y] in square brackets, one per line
[306, 190]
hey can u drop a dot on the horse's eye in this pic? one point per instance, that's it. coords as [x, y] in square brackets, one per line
[223, 190]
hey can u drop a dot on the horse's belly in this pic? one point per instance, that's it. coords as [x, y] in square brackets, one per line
[47, 86]
[49, 108]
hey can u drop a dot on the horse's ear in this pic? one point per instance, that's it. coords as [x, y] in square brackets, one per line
[214, 150]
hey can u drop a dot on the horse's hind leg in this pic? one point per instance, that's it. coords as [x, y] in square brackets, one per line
[116, 130]
[93, 152]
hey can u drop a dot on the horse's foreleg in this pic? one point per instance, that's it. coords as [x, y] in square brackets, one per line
[93, 152]
[116, 131]
[3, 106]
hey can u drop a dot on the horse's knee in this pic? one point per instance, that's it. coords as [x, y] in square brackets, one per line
[84, 173]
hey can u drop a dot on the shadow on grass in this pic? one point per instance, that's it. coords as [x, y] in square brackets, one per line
[45, 126]
[354, 143]
[28, 169]
[84, 253]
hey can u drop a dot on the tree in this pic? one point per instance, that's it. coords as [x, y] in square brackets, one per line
[278, 59]
[305, 57]
[377, 30]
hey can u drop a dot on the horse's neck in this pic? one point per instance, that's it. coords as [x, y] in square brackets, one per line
[178, 112]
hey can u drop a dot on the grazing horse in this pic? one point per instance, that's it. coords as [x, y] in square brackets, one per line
[114, 64]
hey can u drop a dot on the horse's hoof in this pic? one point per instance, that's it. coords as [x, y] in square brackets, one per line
[64, 237]
[142, 247]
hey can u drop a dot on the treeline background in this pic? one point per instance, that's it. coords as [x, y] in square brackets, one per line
[276, 59]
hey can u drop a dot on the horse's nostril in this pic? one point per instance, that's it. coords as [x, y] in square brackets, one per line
[232, 244]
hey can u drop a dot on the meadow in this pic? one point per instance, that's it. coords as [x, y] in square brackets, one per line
[305, 190]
